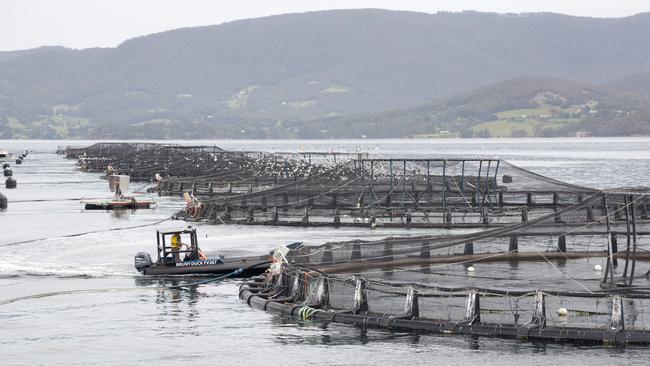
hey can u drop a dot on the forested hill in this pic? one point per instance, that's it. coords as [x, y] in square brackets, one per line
[276, 76]
[527, 106]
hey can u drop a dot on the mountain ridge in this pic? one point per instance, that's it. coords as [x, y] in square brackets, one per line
[295, 68]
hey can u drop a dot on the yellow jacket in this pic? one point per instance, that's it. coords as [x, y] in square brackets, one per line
[176, 242]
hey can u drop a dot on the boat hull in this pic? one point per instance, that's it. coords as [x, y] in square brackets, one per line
[117, 204]
[251, 266]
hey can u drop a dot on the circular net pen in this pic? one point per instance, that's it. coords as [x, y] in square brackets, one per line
[396, 193]
[576, 279]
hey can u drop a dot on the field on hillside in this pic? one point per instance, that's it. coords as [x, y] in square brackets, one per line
[529, 122]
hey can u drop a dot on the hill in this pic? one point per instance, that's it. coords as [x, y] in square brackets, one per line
[274, 76]
[519, 107]
[638, 83]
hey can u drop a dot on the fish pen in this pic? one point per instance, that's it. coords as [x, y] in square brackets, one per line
[202, 170]
[337, 188]
[447, 193]
[578, 280]
[529, 256]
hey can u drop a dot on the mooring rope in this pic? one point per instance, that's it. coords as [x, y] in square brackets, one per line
[86, 233]
[564, 274]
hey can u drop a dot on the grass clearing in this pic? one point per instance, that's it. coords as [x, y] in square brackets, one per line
[302, 104]
[15, 124]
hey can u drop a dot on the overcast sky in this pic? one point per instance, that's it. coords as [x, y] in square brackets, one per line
[96, 23]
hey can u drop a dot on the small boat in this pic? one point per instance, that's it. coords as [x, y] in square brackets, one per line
[4, 153]
[116, 204]
[118, 184]
[171, 248]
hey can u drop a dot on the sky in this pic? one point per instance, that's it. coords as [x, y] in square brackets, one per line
[106, 23]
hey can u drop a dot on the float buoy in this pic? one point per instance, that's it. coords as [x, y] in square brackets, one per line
[3, 201]
[562, 311]
[7, 172]
[10, 183]
[598, 267]
[471, 269]
[19, 161]
[5, 165]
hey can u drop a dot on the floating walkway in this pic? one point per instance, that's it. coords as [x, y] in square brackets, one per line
[117, 204]
[307, 296]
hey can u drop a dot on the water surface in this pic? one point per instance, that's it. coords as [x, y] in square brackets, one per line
[87, 305]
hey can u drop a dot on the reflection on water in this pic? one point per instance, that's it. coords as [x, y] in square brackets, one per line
[176, 302]
[333, 334]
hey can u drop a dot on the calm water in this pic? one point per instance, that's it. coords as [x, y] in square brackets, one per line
[119, 317]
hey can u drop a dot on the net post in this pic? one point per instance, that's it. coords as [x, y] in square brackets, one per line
[328, 256]
[295, 287]
[425, 251]
[447, 217]
[388, 251]
[469, 249]
[360, 296]
[305, 217]
[614, 239]
[472, 308]
[590, 214]
[561, 243]
[539, 312]
[356, 252]
[444, 183]
[250, 217]
[616, 319]
[275, 215]
[514, 244]
[412, 305]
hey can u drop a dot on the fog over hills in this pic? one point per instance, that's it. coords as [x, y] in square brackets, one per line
[288, 75]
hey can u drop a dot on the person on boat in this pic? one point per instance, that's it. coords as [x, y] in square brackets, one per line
[194, 255]
[176, 246]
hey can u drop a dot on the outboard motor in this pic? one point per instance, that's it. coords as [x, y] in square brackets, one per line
[142, 261]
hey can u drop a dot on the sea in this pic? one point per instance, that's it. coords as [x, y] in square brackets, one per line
[70, 295]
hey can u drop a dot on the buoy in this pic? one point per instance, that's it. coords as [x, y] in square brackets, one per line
[5, 165]
[563, 311]
[374, 225]
[10, 183]
[7, 172]
[19, 161]
[598, 267]
[471, 269]
[3, 201]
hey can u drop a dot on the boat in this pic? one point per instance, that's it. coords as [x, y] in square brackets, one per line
[4, 153]
[117, 204]
[193, 262]
[118, 184]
